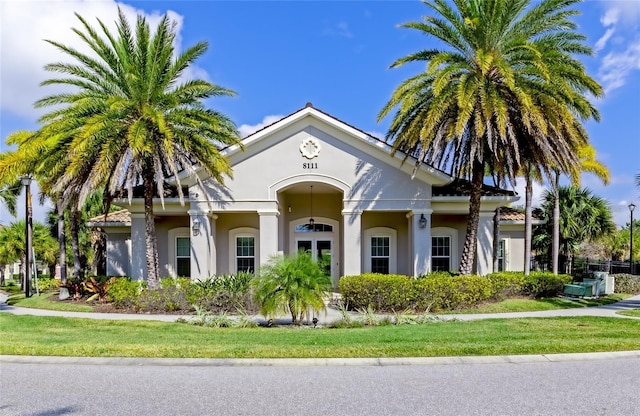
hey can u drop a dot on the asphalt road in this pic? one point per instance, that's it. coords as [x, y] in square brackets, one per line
[590, 387]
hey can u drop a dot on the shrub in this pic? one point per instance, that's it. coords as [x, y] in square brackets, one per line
[75, 285]
[382, 292]
[167, 299]
[97, 286]
[225, 293]
[441, 292]
[45, 285]
[124, 293]
[506, 284]
[626, 283]
[544, 284]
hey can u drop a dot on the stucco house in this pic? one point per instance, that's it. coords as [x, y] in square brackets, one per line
[311, 181]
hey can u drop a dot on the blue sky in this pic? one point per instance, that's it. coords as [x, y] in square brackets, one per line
[279, 55]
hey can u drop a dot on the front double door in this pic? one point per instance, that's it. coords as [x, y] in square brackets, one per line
[320, 249]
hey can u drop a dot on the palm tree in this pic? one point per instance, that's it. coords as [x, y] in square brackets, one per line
[131, 121]
[583, 217]
[588, 163]
[12, 244]
[505, 95]
[293, 285]
[9, 196]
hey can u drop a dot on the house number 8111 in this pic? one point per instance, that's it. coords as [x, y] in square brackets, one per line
[309, 166]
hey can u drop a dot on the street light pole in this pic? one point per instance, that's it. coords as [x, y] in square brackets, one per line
[26, 181]
[632, 206]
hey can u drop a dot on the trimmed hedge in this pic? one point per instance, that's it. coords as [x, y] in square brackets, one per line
[626, 283]
[378, 291]
[443, 291]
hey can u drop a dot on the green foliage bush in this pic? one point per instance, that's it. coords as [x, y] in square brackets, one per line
[626, 283]
[506, 284]
[544, 284]
[440, 292]
[46, 285]
[124, 293]
[378, 291]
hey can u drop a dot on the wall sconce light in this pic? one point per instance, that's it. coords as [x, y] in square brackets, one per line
[422, 221]
[195, 226]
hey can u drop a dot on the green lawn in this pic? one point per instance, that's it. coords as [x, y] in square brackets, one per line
[47, 301]
[632, 312]
[528, 305]
[53, 336]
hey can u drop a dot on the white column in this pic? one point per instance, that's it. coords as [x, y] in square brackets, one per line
[352, 247]
[138, 247]
[485, 243]
[201, 244]
[420, 241]
[268, 235]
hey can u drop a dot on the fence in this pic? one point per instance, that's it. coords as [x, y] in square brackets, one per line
[582, 265]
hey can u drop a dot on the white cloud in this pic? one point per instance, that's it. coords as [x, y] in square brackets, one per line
[602, 42]
[622, 52]
[616, 67]
[610, 17]
[338, 29]
[247, 129]
[621, 213]
[23, 56]
[537, 195]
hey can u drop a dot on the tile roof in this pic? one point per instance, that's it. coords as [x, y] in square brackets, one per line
[515, 215]
[461, 187]
[122, 216]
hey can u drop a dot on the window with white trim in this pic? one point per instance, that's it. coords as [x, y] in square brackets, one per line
[245, 254]
[380, 254]
[380, 250]
[440, 253]
[502, 265]
[183, 256]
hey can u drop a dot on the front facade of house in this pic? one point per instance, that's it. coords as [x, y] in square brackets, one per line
[371, 212]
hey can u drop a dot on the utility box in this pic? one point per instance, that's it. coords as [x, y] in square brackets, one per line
[607, 281]
[576, 289]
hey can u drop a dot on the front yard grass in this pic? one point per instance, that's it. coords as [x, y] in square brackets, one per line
[546, 304]
[47, 300]
[54, 336]
[632, 312]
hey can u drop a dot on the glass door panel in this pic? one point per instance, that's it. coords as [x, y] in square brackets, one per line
[323, 255]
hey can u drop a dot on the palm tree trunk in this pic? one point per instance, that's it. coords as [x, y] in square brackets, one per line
[75, 241]
[153, 280]
[555, 239]
[62, 243]
[468, 258]
[496, 240]
[527, 224]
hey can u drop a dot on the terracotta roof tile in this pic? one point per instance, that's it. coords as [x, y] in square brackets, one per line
[462, 187]
[122, 216]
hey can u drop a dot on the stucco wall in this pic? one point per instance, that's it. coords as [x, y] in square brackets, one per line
[118, 254]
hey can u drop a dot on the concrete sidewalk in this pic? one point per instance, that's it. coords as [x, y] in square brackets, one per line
[332, 314]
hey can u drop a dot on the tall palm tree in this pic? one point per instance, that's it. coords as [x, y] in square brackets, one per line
[131, 121]
[588, 163]
[583, 217]
[505, 95]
